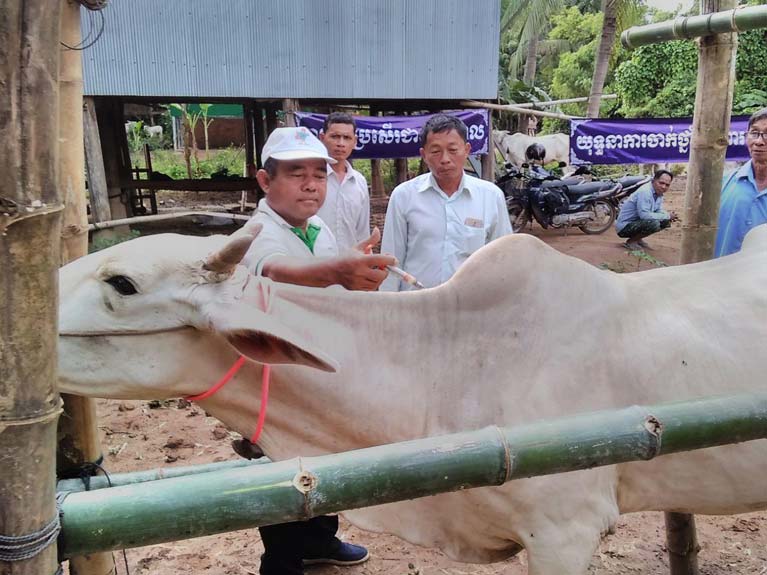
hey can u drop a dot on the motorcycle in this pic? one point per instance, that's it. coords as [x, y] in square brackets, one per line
[533, 193]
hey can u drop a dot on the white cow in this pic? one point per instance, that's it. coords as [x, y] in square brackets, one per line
[514, 146]
[149, 131]
[520, 333]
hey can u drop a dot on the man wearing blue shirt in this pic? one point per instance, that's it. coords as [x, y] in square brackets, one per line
[642, 214]
[743, 204]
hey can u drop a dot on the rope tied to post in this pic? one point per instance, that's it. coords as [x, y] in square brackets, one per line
[22, 547]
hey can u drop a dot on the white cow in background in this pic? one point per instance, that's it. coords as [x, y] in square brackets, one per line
[166, 316]
[149, 131]
[514, 146]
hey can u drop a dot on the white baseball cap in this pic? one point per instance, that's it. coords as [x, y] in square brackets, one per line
[294, 144]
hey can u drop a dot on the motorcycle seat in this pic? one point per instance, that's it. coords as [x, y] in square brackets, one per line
[628, 181]
[563, 182]
[589, 188]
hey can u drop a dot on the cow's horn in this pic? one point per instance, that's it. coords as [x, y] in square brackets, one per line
[226, 259]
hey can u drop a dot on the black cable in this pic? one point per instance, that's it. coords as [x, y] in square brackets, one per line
[81, 46]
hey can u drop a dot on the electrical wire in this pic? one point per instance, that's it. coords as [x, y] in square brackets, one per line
[86, 42]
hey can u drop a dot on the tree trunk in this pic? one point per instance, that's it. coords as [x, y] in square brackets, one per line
[531, 66]
[604, 52]
[78, 434]
[710, 127]
[30, 221]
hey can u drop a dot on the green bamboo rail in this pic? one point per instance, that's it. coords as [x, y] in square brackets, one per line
[738, 20]
[120, 479]
[207, 503]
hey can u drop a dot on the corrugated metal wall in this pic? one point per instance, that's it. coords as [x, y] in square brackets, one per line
[341, 49]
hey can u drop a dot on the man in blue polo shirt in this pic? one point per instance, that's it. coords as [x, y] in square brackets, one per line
[642, 214]
[743, 204]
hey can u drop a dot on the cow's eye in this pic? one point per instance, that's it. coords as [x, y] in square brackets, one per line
[122, 284]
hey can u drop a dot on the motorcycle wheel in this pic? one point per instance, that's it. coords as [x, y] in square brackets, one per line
[604, 216]
[518, 215]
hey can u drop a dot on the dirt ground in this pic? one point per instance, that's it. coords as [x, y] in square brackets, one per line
[139, 435]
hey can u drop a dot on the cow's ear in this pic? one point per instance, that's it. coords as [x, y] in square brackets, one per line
[260, 337]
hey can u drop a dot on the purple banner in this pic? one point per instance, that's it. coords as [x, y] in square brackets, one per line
[380, 137]
[644, 140]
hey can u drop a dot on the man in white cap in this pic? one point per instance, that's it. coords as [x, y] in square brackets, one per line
[295, 246]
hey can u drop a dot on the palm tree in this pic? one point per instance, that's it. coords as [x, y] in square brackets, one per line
[525, 20]
[617, 14]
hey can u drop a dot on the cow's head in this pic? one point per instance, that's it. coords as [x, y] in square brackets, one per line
[140, 318]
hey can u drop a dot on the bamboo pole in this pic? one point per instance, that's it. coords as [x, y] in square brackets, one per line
[119, 479]
[78, 434]
[710, 127]
[192, 506]
[549, 103]
[515, 108]
[30, 226]
[708, 146]
[710, 22]
[161, 217]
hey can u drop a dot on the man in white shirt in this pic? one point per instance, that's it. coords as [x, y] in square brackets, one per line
[346, 210]
[295, 246]
[435, 221]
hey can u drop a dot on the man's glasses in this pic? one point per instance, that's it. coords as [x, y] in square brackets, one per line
[754, 135]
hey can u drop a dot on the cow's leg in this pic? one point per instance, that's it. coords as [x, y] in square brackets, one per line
[565, 549]
[564, 518]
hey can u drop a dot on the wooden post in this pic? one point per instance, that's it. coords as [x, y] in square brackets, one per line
[111, 131]
[78, 434]
[249, 117]
[98, 192]
[401, 169]
[259, 133]
[250, 160]
[710, 127]
[400, 166]
[682, 544]
[30, 220]
[488, 160]
[271, 119]
[711, 123]
[376, 179]
[289, 106]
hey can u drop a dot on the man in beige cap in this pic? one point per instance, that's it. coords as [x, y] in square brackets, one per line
[295, 246]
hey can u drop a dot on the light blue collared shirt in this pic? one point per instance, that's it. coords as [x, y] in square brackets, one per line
[643, 204]
[431, 234]
[741, 208]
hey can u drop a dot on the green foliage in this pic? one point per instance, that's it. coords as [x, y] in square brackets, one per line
[136, 136]
[660, 80]
[229, 161]
[572, 76]
[103, 242]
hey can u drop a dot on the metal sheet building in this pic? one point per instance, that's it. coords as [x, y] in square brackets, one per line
[306, 49]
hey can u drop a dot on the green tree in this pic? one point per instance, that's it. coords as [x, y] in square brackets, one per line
[617, 15]
[659, 80]
[524, 22]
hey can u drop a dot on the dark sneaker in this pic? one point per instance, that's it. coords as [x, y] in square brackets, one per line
[344, 554]
[632, 246]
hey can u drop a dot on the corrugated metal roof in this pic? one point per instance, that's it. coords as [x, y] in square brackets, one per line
[339, 49]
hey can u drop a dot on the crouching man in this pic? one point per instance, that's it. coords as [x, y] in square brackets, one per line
[643, 215]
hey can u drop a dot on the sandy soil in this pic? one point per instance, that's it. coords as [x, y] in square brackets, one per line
[140, 435]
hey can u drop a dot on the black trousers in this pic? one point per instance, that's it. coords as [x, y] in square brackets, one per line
[287, 544]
